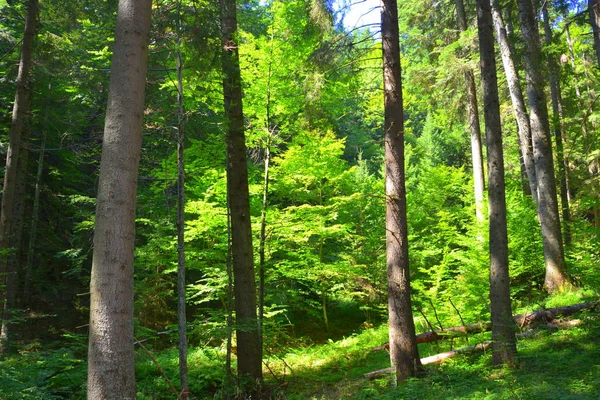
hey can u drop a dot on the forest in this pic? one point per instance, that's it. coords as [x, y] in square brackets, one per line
[282, 199]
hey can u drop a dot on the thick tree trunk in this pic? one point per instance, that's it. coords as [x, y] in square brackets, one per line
[504, 348]
[474, 126]
[181, 316]
[404, 355]
[558, 128]
[594, 10]
[542, 151]
[8, 278]
[249, 352]
[516, 96]
[111, 373]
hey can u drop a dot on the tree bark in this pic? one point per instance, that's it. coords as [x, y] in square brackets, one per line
[542, 151]
[181, 315]
[594, 11]
[8, 281]
[404, 355]
[474, 125]
[558, 128]
[111, 373]
[516, 95]
[504, 348]
[249, 351]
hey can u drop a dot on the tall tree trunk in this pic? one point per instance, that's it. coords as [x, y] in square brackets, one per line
[181, 317]
[516, 96]
[263, 212]
[542, 151]
[404, 354]
[34, 221]
[8, 281]
[558, 128]
[16, 236]
[594, 11]
[474, 126]
[249, 351]
[111, 373]
[263, 231]
[504, 348]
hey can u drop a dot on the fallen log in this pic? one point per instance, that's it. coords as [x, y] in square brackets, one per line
[523, 320]
[545, 316]
[441, 357]
[434, 359]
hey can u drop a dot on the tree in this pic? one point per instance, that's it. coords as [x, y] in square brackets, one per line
[8, 272]
[249, 353]
[542, 151]
[558, 127]
[404, 355]
[181, 286]
[504, 348]
[517, 99]
[473, 115]
[111, 371]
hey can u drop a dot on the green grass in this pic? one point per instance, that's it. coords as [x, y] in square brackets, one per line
[552, 365]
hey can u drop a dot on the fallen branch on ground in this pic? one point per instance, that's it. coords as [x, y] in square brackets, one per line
[523, 320]
[435, 359]
[441, 357]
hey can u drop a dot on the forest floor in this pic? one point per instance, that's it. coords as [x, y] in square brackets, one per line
[553, 364]
[559, 364]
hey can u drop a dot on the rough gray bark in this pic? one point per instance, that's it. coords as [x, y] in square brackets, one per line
[111, 373]
[504, 349]
[558, 128]
[516, 96]
[181, 317]
[8, 278]
[594, 11]
[404, 354]
[249, 352]
[542, 151]
[474, 126]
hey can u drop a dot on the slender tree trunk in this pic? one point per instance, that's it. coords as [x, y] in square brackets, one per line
[474, 126]
[542, 151]
[263, 212]
[34, 221]
[558, 128]
[8, 283]
[181, 317]
[504, 349]
[516, 96]
[16, 236]
[229, 377]
[404, 354]
[111, 373]
[263, 235]
[249, 352]
[594, 10]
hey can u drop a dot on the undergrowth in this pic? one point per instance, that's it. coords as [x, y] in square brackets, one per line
[562, 364]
